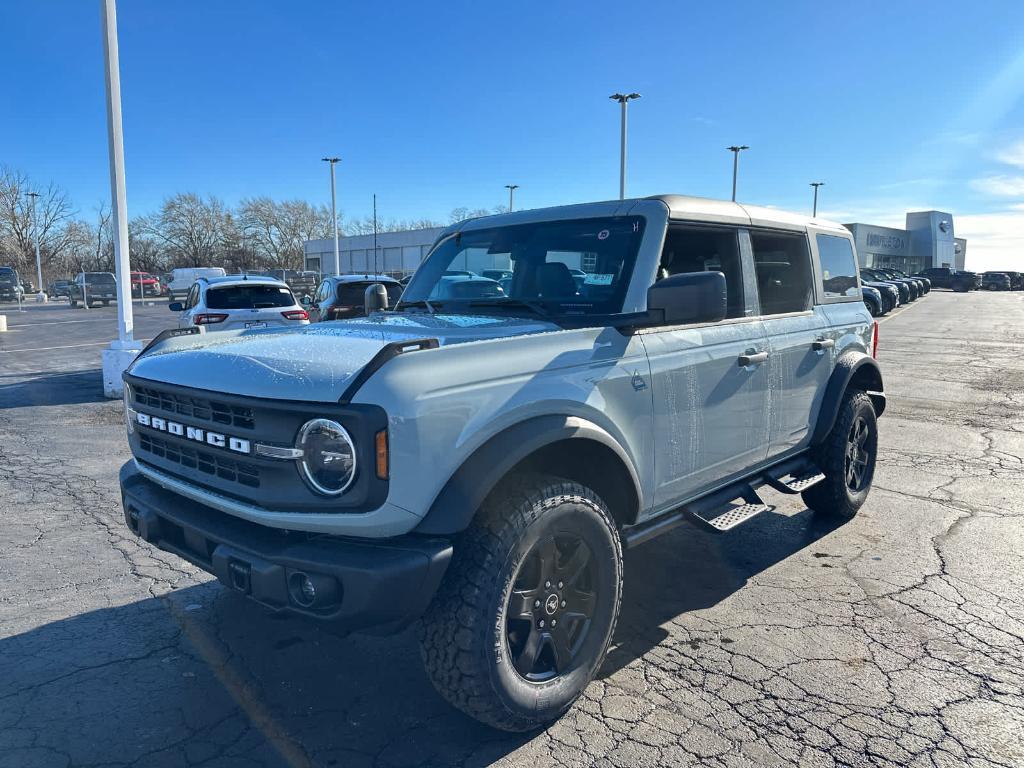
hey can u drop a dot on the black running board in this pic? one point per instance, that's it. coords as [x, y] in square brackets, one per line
[729, 507]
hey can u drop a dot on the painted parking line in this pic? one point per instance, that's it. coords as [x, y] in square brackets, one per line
[68, 346]
[899, 311]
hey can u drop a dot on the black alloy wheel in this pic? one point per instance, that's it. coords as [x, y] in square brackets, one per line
[550, 607]
[857, 455]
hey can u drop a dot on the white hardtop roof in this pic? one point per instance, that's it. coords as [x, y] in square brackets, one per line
[680, 207]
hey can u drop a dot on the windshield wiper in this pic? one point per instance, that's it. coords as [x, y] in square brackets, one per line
[536, 306]
[430, 306]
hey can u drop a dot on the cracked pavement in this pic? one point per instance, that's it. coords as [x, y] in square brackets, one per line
[896, 639]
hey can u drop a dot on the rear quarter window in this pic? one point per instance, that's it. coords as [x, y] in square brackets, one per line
[838, 266]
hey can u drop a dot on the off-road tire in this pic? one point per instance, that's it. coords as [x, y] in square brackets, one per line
[463, 637]
[833, 495]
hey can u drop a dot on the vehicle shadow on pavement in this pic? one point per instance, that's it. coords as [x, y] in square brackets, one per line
[691, 569]
[204, 674]
[19, 390]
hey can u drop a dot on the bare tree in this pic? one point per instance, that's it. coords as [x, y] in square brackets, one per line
[193, 230]
[53, 212]
[275, 231]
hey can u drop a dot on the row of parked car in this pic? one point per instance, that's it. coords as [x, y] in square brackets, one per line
[885, 289]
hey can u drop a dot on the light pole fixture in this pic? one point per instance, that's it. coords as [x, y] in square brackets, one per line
[735, 165]
[816, 184]
[623, 99]
[40, 295]
[334, 213]
[511, 191]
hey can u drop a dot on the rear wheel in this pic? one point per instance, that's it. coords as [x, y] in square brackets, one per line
[527, 609]
[847, 458]
[873, 307]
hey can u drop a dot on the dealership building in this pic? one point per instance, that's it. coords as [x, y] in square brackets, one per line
[928, 241]
[390, 253]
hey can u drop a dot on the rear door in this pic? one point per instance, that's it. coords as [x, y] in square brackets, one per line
[710, 412]
[798, 335]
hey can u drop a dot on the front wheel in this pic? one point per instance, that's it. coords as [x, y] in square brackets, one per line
[527, 609]
[847, 458]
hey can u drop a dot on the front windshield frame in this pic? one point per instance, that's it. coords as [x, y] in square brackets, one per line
[531, 245]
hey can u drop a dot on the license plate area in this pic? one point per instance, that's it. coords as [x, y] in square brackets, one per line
[255, 324]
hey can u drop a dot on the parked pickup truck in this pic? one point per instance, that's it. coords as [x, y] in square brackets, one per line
[477, 460]
[944, 277]
[91, 288]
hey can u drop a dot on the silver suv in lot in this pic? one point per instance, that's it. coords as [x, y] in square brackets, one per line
[478, 463]
[242, 301]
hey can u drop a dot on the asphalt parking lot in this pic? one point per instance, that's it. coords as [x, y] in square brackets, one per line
[896, 639]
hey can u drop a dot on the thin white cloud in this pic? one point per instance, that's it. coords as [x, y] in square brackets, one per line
[994, 240]
[1001, 185]
[1013, 155]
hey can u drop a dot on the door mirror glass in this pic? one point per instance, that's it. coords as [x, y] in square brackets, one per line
[306, 301]
[689, 297]
[176, 306]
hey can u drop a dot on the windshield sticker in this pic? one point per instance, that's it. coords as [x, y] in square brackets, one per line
[592, 279]
[603, 234]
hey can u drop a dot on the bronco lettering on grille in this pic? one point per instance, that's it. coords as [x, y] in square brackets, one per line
[215, 439]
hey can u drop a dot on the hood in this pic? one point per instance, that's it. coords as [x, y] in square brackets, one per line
[315, 362]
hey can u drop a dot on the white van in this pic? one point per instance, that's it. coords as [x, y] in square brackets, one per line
[182, 279]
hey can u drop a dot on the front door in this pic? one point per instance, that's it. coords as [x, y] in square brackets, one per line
[710, 409]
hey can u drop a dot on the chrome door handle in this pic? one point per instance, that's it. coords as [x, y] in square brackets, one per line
[752, 359]
[820, 344]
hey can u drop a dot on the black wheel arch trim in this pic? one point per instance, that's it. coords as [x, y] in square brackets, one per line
[461, 497]
[852, 367]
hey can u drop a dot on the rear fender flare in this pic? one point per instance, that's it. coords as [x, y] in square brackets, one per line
[855, 369]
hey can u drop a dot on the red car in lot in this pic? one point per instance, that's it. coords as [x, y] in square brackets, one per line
[145, 284]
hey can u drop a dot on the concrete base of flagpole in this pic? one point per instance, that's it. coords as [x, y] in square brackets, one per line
[116, 359]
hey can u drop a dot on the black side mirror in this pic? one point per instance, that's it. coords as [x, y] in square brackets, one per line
[306, 301]
[176, 306]
[689, 297]
[375, 298]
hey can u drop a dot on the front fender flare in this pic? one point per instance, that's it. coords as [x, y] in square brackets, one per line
[466, 489]
[858, 369]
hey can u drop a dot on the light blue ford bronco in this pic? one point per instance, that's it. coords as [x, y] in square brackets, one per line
[477, 457]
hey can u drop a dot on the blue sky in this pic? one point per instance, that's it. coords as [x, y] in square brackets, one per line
[895, 106]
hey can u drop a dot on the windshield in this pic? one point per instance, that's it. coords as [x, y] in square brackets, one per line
[99, 277]
[249, 297]
[574, 267]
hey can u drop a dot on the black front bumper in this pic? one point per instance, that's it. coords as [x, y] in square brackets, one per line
[359, 584]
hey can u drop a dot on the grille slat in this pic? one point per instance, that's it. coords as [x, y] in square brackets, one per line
[211, 464]
[200, 409]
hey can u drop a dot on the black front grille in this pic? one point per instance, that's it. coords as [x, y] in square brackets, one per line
[203, 461]
[199, 408]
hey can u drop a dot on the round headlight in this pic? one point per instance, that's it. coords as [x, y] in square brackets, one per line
[328, 456]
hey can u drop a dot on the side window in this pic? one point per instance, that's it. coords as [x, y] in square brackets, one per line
[783, 268]
[838, 266]
[192, 298]
[698, 249]
[321, 293]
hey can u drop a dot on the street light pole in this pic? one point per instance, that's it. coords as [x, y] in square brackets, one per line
[40, 295]
[122, 351]
[623, 99]
[816, 184]
[735, 165]
[511, 190]
[334, 213]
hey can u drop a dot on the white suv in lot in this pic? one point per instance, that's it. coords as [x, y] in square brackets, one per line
[239, 303]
